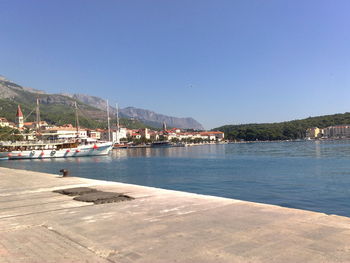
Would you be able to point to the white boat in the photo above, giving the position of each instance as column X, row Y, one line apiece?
column 60, row 148
column 57, row 149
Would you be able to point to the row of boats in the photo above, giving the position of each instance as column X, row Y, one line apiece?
column 159, row 144
column 43, row 148
column 66, row 148
column 54, row 149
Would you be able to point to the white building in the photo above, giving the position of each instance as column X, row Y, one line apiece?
column 337, row 131
column 122, row 133
column 94, row 134
column 4, row 122
column 66, row 132
column 112, row 136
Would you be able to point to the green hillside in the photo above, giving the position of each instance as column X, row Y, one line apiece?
column 63, row 114
column 55, row 109
column 288, row 130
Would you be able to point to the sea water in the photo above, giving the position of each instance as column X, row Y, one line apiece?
column 312, row 175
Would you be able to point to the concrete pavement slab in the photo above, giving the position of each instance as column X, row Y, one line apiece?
column 158, row 226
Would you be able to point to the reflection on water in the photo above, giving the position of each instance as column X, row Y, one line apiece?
column 312, row 175
column 317, row 149
column 174, row 152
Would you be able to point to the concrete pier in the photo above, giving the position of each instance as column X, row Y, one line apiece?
column 38, row 225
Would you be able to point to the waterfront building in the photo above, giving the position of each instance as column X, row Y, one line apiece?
column 94, row 134
column 121, row 134
column 136, row 136
column 66, row 132
column 313, row 133
column 338, row 131
column 34, row 125
column 112, row 136
column 145, row 133
column 4, row 122
column 154, row 135
column 207, row 135
column 213, row 135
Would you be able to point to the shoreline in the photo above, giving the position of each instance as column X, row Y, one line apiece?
column 158, row 225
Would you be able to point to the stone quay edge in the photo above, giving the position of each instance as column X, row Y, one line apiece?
column 39, row 225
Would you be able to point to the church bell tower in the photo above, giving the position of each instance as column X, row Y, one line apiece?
column 19, row 118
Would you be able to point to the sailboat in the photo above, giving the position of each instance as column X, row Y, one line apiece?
column 61, row 148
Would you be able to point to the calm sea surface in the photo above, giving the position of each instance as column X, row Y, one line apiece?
column 306, row 175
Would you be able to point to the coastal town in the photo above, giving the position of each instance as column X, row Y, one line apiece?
column 121, row 136
column 124, row 137
column 174, row 131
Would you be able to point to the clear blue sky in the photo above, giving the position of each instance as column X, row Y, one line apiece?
column 219, row 61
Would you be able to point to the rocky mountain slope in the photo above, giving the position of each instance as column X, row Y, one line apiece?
column 146, row 116
column 55, row 108
column 58, row 108
column 153, row 118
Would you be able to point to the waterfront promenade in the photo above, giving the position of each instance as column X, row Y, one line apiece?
column 39, row 225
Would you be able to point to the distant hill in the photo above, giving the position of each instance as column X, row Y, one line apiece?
column 145, row 116
column 56, row 109
column 152, row 118
column 288, row 130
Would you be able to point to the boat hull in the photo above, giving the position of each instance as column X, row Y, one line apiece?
column 161, row 145
column 80, row 151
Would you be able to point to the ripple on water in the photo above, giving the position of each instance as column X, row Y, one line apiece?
column 306, row 175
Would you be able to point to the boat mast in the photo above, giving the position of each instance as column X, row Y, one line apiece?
column 116, row 106
column 109, row 126
column 37, row 115
column 76, row 118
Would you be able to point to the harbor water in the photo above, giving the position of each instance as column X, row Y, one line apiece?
column 311, row 175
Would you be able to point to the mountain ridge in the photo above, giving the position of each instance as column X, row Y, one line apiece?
column 56, row 109
column 146, row 116
column 12, row 91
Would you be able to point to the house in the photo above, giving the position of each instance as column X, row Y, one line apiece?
column 111, row 136
column 34, row 125
column 208, row 135
column 94, row 134
column 136, row 136
column 121, row 134
column 145, row 133
column 66, row 132
column 212, row 135
column 154, row 135
column 338, row 131
column 4, row 122
column 313, row 133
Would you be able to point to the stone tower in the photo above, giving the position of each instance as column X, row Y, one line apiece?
column 19, row 118
column 164, row 126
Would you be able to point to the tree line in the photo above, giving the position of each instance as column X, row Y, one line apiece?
column 289, row 130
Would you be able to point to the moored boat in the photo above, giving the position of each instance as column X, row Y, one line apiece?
column 57, row 149
column 42, row 147
column 162, row 144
